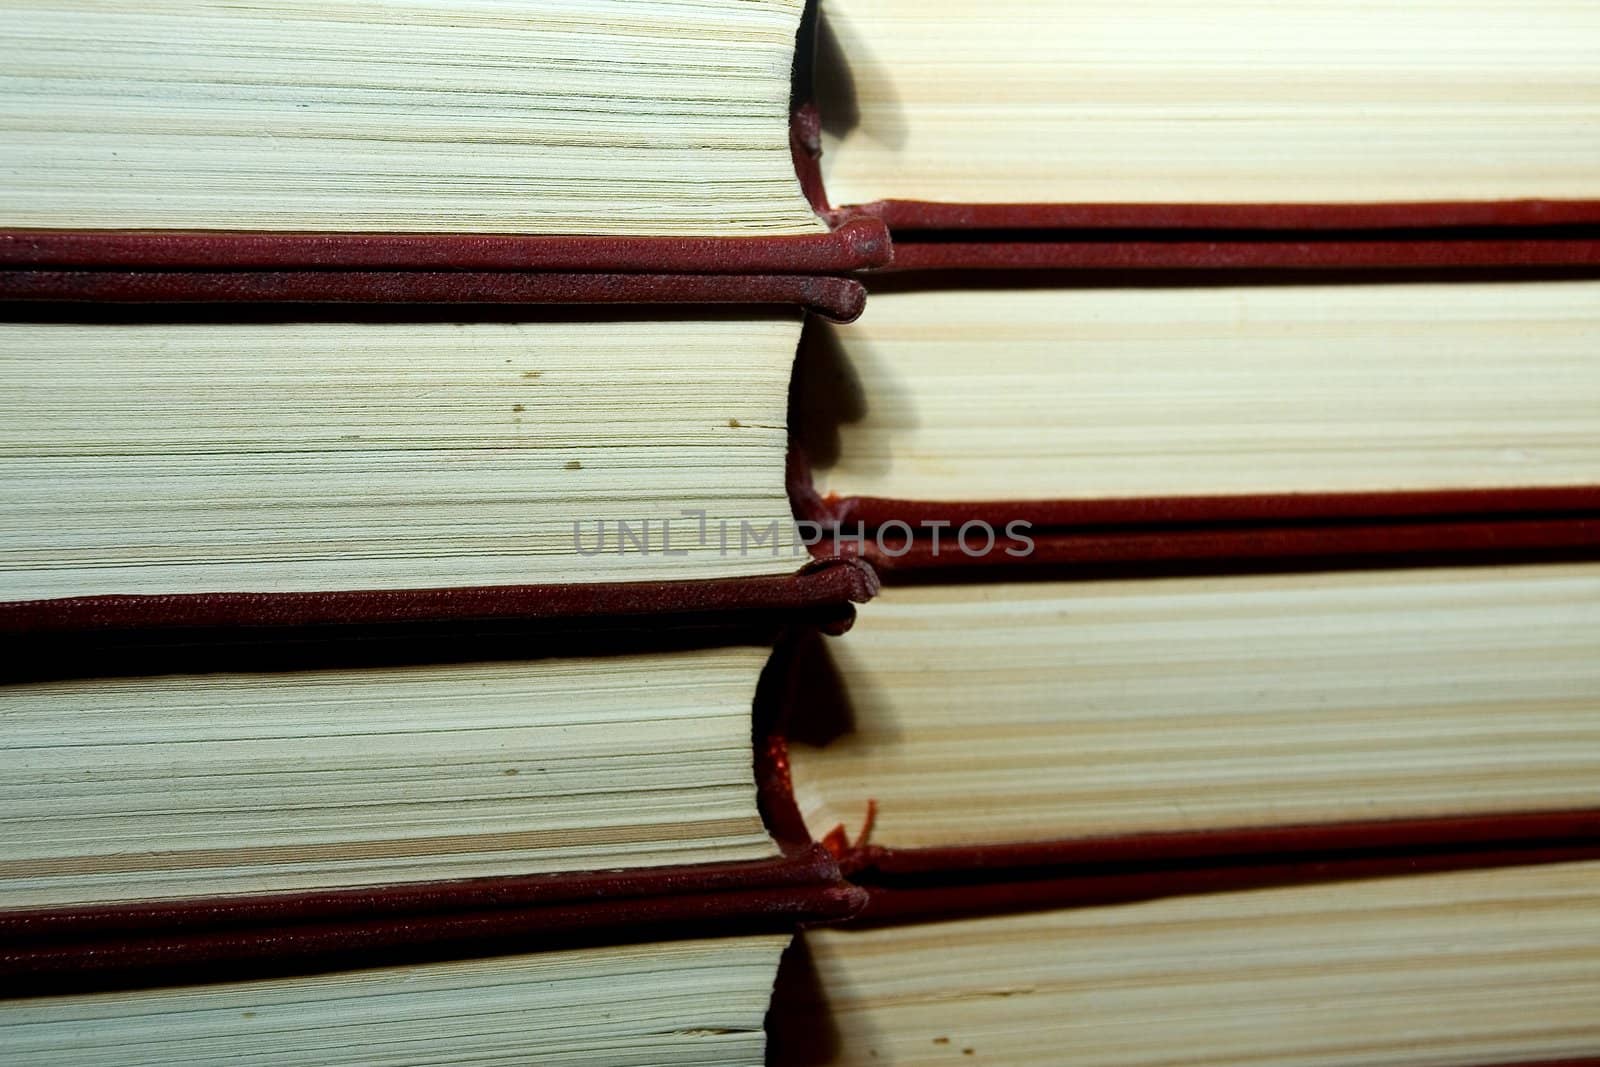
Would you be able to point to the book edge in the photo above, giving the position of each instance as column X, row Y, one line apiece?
column 834, row 298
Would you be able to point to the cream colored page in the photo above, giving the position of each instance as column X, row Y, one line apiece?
column 993, row 713
column 231, row 783
column 273, row 457
column 555, row 117
column 676, row 1004
column 1111, row 393
column 1481, row 967
column 1186, row 101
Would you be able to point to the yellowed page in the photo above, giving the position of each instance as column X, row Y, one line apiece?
column 301, row 456
column 1193, row 101
column 991, row 712
column 555, row 117
column 1062, row 393
column 235, row 782
column 675, row 1004
column 1482, row 967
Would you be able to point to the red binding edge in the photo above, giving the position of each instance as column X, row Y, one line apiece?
column 874, row 511
column 850, row 245
column 1367, row 544
column 1196, row 529
column 829, row 585
column 1114, row 237
column 1473, row 833
column 1060, row 250
column 913, row 215
column 259, row 952
column 811, row 866
column 838, row 299
column 931, row 900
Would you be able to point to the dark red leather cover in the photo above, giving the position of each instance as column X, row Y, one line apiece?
column 839, row 299
column 306, row 948
column 1407, row 838
column 1084, row 553
column 811, row 865
column 853, row 244
column 1274, row 507
column 919, row 215
column 1506, row 539
column 1146, row 250
column 1301, row 237
column 823, row 592
column 1312, row 528
column 951, row 896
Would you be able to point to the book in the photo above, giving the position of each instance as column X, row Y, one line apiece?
column 1462, row 968
column 160, row 454
column 1293, row 137
column 1247, row 409
column 588, row 136
column 237, row 774
column 1034, row 723
column 1183, row 103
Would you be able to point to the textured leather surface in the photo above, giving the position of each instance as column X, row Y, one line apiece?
column 935, row 898
column 1279, row 507
column 1312, row 545
column 839, row 299
column 1074, row 250
column 808, row 866
column 826, row 587
column 1244, row 845
column 305, row 948
column 907, row 215
column 854, row 244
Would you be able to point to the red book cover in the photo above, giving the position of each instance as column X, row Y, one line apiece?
column 849, row 246
column 833, row 298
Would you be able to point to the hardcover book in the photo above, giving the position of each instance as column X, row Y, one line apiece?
column 588, row 135
column 295, row 468
column 1036, row 723
column 1486, row 967
column 1092, row 423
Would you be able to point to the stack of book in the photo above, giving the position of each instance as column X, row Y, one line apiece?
column 447, row 443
